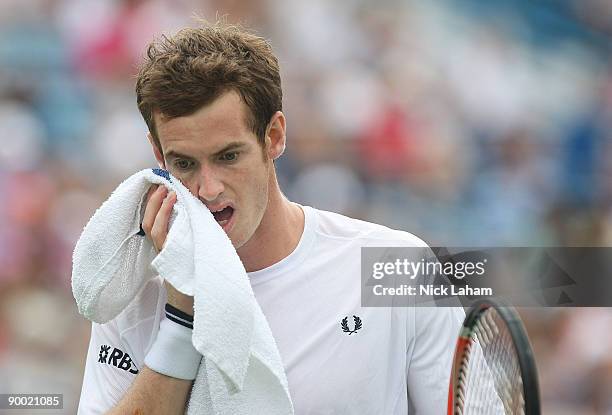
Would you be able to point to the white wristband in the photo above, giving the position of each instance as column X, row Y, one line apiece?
column 172, row 353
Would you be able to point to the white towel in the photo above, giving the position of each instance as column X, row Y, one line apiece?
column 241, row 370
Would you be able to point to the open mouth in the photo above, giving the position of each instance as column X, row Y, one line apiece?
column 224, row 216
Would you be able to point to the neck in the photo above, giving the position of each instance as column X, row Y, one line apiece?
column 278, row 233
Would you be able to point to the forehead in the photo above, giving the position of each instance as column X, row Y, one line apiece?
column 211, row 126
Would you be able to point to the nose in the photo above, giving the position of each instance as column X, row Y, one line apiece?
column 210, row 185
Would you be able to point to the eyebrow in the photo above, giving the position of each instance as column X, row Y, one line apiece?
column 234, row 145
column 230, row 146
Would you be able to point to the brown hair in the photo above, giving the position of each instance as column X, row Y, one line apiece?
column 186, row 71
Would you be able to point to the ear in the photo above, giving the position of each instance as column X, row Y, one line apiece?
column 157, row 151
column 276, row 135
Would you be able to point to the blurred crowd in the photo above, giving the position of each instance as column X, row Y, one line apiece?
column 468, row 124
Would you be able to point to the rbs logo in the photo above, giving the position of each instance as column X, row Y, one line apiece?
column 116, row 358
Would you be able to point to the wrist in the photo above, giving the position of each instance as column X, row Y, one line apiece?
column 178, row 300
column 172, row 353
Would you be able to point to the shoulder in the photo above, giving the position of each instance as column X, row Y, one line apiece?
column 334, row 225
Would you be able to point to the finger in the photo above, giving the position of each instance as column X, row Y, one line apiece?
column 160, row 226
column 151, row 190
column 154, row 200
column 153, row 205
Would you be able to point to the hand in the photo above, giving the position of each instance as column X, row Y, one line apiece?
column 157, row 214
column 155, row 225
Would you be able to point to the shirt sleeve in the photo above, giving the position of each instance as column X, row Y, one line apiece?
column 430, row 354
column 117, row 350
column 110, row 369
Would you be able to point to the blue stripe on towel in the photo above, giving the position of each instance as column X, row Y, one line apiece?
column 163, row 173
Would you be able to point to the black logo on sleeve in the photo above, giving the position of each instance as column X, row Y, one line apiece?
column 345, row 327
column 117, row 358
column 103, row 353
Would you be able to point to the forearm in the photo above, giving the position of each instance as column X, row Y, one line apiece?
column 153, row 393
column 164, row 383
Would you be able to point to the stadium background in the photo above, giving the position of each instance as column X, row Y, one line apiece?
column 465, row 122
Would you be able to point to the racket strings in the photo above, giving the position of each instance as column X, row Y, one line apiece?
column 488, row 377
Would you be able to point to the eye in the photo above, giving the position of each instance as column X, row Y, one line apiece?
column 182, row 164
column 230, row 156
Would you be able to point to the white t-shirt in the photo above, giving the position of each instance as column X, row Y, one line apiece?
column 398, row 362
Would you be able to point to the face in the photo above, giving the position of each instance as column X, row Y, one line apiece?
column 218, row 158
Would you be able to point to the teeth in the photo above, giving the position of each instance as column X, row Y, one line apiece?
column 223, row 222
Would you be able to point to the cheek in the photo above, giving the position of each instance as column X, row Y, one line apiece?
column 261, row 189
column 254, row 187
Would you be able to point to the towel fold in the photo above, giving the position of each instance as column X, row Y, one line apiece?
column 241, row 370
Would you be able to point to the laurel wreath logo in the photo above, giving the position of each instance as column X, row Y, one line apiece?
column 345, row 327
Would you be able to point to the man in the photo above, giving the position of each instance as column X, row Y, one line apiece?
column 212, row 100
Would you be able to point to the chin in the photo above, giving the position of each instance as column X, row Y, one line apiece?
column 239, row 240
column 236, row 242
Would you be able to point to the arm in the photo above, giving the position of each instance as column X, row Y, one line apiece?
column 116, row 375
column 163, row 384
column 145, row 396
column 434, row 332
column 157, row 393
column 165, row 390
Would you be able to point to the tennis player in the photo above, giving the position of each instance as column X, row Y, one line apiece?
column 212, row 100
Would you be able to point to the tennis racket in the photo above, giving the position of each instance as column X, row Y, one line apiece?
column 493, row 370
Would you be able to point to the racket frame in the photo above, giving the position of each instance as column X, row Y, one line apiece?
column 521, row 344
